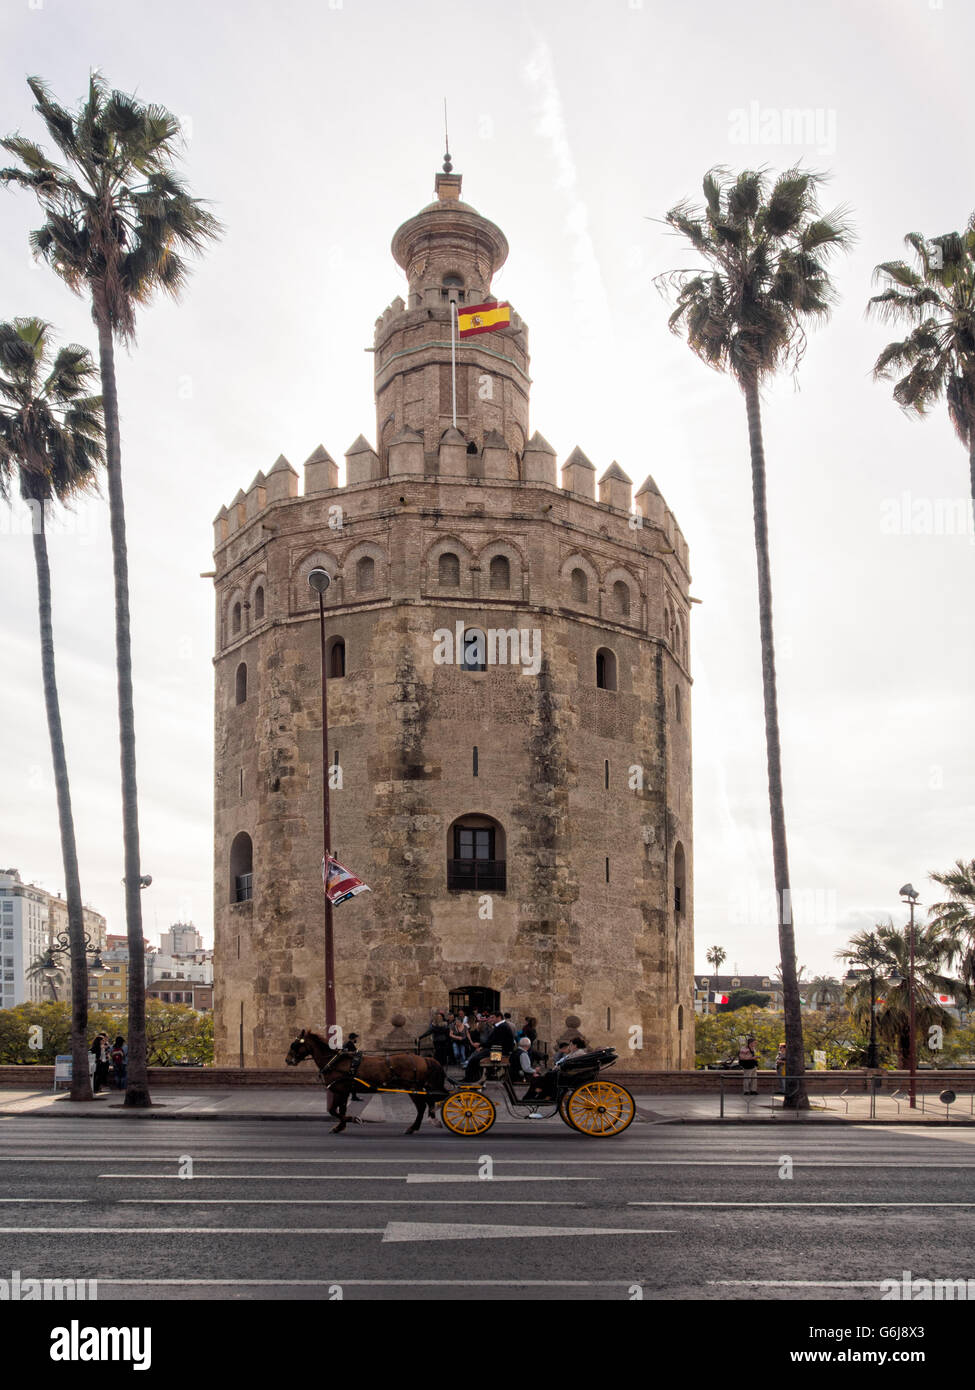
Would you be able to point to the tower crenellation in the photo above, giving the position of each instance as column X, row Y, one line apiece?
column 568, row 756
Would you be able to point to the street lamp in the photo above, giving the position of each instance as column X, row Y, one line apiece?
column 909, row 894
column 319, row 580
column 50, row 968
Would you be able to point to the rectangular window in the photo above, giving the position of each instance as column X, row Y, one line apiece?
column 475, row 760
column 607, row 869
column 474, row 844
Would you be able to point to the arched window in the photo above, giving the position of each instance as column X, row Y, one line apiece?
column 335, row 658
column 241, row 683
column 241, row 869
column 259, row 603
column 448, row 570
column 605, row 669
column 365, row 575
column 680, row 886
column 474, row 655
column 580, row 586
column 678, row 704
column 452, row 287
column 621, row 598
column 500, row 573
column 476, row 855
column 678, row 640
column 235, row 621
column 666, row 624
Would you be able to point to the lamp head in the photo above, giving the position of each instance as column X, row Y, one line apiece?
column 909, row 891
column 319, row 580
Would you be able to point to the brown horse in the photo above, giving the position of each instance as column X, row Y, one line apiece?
column 401, row 1071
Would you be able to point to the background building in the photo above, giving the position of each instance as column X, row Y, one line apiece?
column 524, row 825
column 23, row 940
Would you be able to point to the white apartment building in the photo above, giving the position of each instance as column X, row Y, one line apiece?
column 23, row 940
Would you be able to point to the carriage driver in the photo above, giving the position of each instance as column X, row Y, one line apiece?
column 501, row 1039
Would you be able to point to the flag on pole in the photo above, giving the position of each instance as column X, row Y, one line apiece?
column 482, row 318
column 339, row 884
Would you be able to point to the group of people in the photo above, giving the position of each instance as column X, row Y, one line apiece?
column 457, row 1037
column 748, row 1061
column 109, row 1057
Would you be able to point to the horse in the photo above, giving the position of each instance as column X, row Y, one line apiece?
column 402, row 1071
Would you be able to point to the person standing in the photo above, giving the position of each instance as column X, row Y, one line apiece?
column 748, row 1061
column 460, row 1039
column 100, row 1050
column 780, row 1067
column 120, row 1062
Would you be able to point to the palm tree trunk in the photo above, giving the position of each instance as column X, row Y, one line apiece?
column 795, row 1097
column 80, row 1080
column 971, row 467
column 137, row 1089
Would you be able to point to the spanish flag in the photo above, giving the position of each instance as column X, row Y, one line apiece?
column 482, row 318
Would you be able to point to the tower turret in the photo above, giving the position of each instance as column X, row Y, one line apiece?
column 450, row 254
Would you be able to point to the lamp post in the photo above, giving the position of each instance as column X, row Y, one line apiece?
column 909, row 894
column 319, row 581
column 49, row 966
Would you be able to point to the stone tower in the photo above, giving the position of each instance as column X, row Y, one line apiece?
column 509, row 707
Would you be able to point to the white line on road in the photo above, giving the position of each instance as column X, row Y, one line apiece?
column 335, row 1202
column 362, row 1283
column 116, row 1153
column 798, row 1283
column 843, row 1206
column 416, row 1230
column 392, row 1231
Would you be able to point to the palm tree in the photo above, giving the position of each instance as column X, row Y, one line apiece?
column 888, row 949
column 823, row 991
column 957, row 915
column 51, row 442
column 937, row 358
column 117, row 224
column 716, row 957
column 765, row 251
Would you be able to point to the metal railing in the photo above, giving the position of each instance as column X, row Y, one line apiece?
column 928, row 1096
column 478, row 875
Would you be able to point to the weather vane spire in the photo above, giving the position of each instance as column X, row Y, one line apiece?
column 447, row 165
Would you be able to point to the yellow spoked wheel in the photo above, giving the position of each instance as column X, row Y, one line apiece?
column 598, row 1108
column 468, row 1113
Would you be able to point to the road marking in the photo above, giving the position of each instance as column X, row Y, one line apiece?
column 798, row 1283
column 416, row 1230
column 115, row 1152
column 363, row 1283
column 841, row 1205
column 335, row 1202
column 192, row 1231
column 258, row 1177
column 46, row 1201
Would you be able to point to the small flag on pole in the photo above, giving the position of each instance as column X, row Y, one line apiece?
column 339, row 884
column 482, row 318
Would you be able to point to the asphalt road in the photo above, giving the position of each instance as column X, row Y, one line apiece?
column 285, row 1210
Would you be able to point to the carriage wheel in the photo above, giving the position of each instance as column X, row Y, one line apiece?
column 598, row 1108
column 468, row 1113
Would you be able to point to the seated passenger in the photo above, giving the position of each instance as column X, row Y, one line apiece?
column 521, row 1061
column 543, row 1087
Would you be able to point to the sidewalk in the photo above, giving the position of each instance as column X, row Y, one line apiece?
column 308, row 1103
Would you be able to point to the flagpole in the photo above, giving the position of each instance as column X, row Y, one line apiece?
column 453, row 359
column 319, row 581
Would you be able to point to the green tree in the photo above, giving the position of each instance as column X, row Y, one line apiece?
column 934, row 949
column 765, row 252
column 177, row 1033
column 51, row 434
column 54, row 1020
column 823, row 991
column 117, row 226
column 716, row 1037
column 937, row 297
column 745, row 998
column 957, row 916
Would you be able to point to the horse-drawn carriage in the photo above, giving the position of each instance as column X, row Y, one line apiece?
column 575, row 1090
column 576, row 1093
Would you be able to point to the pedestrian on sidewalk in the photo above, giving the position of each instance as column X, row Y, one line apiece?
column 748, row 1061
column 120, row 1062
column 780, row 1068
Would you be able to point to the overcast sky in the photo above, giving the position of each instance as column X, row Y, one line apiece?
column 315, row 129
